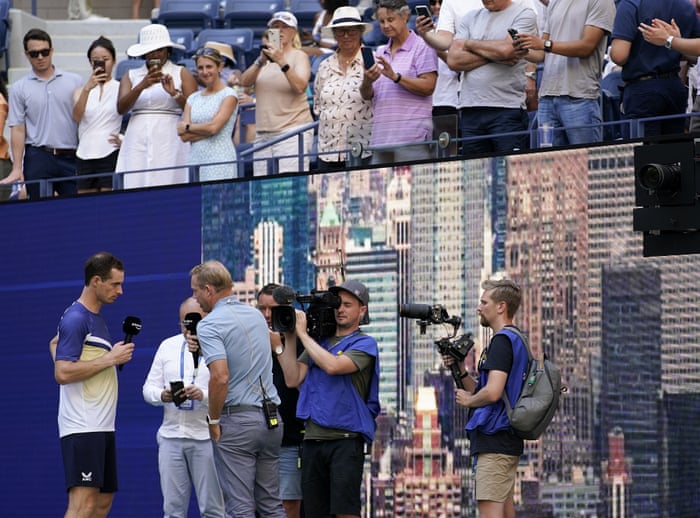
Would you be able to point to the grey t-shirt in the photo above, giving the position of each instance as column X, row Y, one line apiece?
column 565, row 21
column 495, row 84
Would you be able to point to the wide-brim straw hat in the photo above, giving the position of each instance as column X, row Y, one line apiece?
column 346, row 16
column 152, row 37
column 224, row 49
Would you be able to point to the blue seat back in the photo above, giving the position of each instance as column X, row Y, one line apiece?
column 125, row 65
column 192, row 14
column 253, row 14
column 240, row 39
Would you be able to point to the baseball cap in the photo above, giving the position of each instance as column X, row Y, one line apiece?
column 358, row 290
column 285, row 17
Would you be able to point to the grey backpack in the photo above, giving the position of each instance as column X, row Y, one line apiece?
column 539, row 396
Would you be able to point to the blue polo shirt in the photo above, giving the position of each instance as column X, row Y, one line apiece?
column 238, row 333
column 645, row 58
column 45, row 108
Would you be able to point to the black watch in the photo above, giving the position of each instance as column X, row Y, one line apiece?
column 285, row 68
column 548, row 45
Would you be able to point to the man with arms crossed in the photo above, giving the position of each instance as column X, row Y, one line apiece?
column 502, row 366
column 235, row 344
column 339, row 400
column 85, row 361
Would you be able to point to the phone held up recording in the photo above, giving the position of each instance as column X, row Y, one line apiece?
column 273, row 37
column 423, row 10
column 367, row 57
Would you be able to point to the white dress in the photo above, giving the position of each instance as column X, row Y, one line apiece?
column 151, row 140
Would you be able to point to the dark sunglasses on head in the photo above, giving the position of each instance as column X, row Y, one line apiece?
column 206, row 51
column 35, row 53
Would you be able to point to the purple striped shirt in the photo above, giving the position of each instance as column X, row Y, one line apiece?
column 399, row 115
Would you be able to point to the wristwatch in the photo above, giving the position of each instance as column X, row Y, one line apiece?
column 285, row 68
column 548, row 45
column 213, row 421
column 177, row 94
column 279, row 349
column 668, row 42
column 187, row 127
column 531, row 75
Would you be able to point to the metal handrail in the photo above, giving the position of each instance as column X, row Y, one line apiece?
column 635, row 128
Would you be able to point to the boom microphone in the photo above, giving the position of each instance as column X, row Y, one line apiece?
column 190, row 322
column 131, row 327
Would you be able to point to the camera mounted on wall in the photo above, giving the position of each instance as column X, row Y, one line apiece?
column 452, row 345
column 319, row 307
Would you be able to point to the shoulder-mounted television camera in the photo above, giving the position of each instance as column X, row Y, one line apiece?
column 319, row 307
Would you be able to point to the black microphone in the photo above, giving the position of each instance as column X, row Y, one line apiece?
column 131, row 327
column 190, row 322
column 284, row 295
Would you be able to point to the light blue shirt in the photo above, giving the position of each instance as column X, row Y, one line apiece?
column 45, row 108
column 238, row 333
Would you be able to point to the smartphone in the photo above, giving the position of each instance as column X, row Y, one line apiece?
column 513, row 34
column 98, row 63
column 273, row 36
column 367, row 57
column 154, row 64
column 422, row 10
column 178, row 390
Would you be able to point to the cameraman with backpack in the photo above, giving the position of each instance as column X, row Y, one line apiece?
column 502, row 368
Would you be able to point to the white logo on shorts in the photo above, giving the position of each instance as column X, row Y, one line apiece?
column 87, row 477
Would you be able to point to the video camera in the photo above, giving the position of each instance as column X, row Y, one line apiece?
column 320, row 312
column 457, row 348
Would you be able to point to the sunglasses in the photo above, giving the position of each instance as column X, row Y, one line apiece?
column 346, row 32
column 35, row 53
column 206, row 51
column 433, row 2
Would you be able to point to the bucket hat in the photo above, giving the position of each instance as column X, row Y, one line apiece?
column 152, row 37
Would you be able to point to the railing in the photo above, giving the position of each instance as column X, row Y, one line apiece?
column 441, row 146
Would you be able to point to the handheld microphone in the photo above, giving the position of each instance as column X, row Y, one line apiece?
column 190, row 322
column 131, row 327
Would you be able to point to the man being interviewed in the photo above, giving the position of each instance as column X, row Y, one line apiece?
column 339, row 400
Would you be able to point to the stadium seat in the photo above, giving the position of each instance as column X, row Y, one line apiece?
column 305, row 11
column 241, row 40
column 375, row 37
column 184, row 37
column 190, row 14
column 253, row 14
column 125, row 65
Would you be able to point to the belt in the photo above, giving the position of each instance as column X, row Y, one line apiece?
column 234, row 409
column 55, row 152
column 646, row 77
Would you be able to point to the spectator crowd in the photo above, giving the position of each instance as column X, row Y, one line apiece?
column 373, row 83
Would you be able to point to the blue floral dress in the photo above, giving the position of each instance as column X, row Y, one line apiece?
column 219, row 147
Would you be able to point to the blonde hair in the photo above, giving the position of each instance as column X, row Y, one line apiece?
column 504, row 290
column 213, row 273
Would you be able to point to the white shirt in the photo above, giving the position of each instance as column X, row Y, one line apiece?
column 173, row 361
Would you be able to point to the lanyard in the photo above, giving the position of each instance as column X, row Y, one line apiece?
column 182, row 362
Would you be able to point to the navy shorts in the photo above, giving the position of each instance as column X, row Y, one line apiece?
column 90, row 460
column 331, row 477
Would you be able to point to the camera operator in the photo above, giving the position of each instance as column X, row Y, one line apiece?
column 290, row 453
column 493, row 443
column 339, row 401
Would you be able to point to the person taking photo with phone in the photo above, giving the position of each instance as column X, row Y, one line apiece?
column 344, row 117
column 401, row 84
column 155, row 94
column 280, row 76
column 99, row 122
